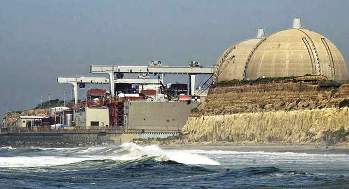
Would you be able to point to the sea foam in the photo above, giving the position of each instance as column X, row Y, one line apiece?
column 124, row 152
column 179, row 156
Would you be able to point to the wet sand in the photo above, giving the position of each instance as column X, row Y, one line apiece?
column 307, row 148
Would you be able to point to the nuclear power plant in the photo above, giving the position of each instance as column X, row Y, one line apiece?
column 292, row 73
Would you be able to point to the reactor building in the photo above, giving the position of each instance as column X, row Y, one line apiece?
column 290, row 69
column 287, row 53
column 290, row 87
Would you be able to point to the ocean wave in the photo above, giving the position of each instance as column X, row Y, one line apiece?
column 7, row 148
column 131, row 165
column 179, row 156
column 43, row 157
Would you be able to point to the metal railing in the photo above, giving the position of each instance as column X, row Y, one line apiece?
column 84, row 131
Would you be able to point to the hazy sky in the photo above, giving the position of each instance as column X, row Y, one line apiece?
column 42, row 39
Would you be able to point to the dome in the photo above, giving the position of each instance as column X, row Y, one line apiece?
column 291, row 52
column 231, row 65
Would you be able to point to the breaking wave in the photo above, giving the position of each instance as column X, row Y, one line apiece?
column 133, row 166
column 42, row 157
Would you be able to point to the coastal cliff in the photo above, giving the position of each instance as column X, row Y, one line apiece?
column 328, row 126
column 272, row 112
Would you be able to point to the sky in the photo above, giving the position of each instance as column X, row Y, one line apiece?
column 43, row 39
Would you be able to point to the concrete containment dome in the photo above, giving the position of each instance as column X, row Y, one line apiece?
column 232, row 63
column 291, row 52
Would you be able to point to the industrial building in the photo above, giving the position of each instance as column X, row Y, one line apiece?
column 157, row 115
column 138, row 99
column 31, row 122
column 92, row 118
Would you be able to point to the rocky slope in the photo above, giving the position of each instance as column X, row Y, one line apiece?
column 273, row 112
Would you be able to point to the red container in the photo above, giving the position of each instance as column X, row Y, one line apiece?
column 148, row 92
column 184, row 97
column 97, row 92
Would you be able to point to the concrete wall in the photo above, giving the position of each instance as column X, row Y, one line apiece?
column 100, row 115
column 157, row 115
column 75, row 139
column 53, row 139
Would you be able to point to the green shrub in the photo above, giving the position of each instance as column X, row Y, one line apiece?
column 334, row 137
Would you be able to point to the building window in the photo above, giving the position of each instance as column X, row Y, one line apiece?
column 94, row 123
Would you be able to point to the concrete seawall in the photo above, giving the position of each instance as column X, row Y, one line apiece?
column 75, row 139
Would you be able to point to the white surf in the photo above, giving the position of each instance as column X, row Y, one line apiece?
column 125, row 152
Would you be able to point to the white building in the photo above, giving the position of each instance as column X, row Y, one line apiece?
column 93, row 118
column 30, row 121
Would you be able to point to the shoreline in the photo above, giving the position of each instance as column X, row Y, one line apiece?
column 296, row 148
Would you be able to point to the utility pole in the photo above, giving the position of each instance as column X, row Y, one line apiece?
column 49, row 99
column 64, row 97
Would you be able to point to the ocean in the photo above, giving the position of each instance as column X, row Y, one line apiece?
column 133, row 166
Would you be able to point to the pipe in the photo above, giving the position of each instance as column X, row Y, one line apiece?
column 192, row 84
column 75, row 92
column 112, row 84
